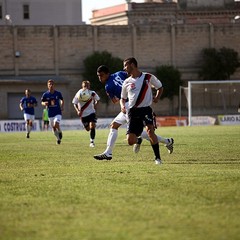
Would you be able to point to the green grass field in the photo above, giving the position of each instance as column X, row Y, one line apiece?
column 60, row 192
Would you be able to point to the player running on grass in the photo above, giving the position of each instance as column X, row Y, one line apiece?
column 136, row 101
column 113, row 86
column 86, row 109
column 54, row 101
column 27, row 105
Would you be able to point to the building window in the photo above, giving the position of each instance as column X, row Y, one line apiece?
column 26, row 14
column 1, row 15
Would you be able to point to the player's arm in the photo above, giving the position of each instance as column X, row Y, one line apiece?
column 62, row 104
column 77, row 109
column 112, row 97
column 115, row 100
column 122, row 104
column 44, row 103
column 123, row 99
column 155, row 82
column 21, row 106
column 158, row 95
column 95, row 99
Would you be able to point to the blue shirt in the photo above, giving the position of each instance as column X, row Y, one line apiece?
column 27, row 103
column 53, row 100
column 114, row 84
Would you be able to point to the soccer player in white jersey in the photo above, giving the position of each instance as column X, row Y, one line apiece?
column 113, row 86
column 138, row 90
column 86, row 109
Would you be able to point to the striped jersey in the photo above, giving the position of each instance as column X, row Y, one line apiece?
column 87, row 107
column 133, row 86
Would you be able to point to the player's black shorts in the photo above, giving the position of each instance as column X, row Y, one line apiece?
column 45, row 122
column 138, row 119
column 90, row 118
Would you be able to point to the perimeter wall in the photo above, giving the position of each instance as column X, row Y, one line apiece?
column 27, row 51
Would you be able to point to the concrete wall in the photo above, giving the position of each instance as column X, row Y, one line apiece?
column 53, row 51
column 43, row 12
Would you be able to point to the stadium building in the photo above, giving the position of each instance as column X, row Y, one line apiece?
column 155, row 32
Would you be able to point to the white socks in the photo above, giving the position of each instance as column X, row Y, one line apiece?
column 144, row 135
column 56, row 133
column 28, row 128
column 112, row 137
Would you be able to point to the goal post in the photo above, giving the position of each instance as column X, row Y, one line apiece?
column 211, row 98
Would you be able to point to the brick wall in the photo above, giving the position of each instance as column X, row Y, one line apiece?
column 61, row 50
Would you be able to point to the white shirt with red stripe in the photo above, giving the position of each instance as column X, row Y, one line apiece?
column 86, row 107
column 132, row 87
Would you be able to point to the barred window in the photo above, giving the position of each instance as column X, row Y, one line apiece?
column 1, row 14
column 26, row 13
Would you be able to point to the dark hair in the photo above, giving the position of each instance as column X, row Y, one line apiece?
column 50, row 81
column 131, row 60
column 103, row 68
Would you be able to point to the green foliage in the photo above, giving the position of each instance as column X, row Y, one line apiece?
column 171, row 80
column 58, row 192
column 92, row 62
column 218, row 64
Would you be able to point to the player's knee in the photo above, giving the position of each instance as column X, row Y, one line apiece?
column 131, row 140
column 150, row 132
column 115, row 125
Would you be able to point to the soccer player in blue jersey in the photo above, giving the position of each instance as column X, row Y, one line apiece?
column 54, row 101
column 113, row 86
column 27, row 105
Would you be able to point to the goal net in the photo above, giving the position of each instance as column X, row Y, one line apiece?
column 212, row 98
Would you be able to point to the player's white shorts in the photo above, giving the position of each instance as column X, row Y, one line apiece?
column 28, row 117
column 55, row 119
column 122, row 118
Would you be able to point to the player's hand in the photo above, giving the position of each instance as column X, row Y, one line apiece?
column 123, row 109
column 79, row 113
column 155, row 99
column 115, row 100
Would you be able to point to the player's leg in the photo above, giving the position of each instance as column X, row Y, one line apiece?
column 30, row 123
column 168, row 142
column 92, row 126
column 134, row 129
column 27, row 127
column 147, row 117
column 154, row 143
column 119, row 120
column 56, row 128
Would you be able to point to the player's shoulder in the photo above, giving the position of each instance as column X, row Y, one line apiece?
column 58, row 93
column 78, row 92
column 129, row 78
column 121, row 74
column 147, row 73
column 92, row 92
column 46, row 93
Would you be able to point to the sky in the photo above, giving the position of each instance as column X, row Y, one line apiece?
column 89, row 5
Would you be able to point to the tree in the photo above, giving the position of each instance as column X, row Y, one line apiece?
column 171, row 80
column 92, row 62
column 218, row 64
